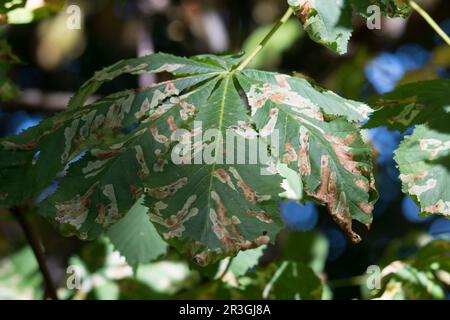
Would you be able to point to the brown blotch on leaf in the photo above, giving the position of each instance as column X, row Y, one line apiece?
column 249, row 193
column 327, row 193
column 169, row 190
column 260, row 215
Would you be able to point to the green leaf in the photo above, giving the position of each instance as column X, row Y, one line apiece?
column 422, row 276
column 435, row 256
column 424, row 159
column 309, row 248
column 246, row 260
column 390, row 8
column 8, row 89
column 136, row 238
column 329, row 22
column 155, row 63
column 293, row 280
column 411, row 104
column 8, row 5
column 330, row 155
column 19, row 13
column 147, row 142
column 62, row 138
column 292, row 183
column 220, row 208
column 410, row 283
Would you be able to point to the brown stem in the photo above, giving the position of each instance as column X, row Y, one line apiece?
column 225, row 270
column 50, row 290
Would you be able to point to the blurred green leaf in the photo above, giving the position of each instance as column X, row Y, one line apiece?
column 270, row 56
column 310, row 248
column 292, row 280
column 19, row 14
column 418, row 276
column 348, row 79
column 245, row 260
column 20, row 277
column 8, row 89
column 329, row 22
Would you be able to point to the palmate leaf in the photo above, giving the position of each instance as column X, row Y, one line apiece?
column 208, row 208
column 330, row 155
column 246, row 260
column 424, row 157
column 329, row 22
column 424, row 162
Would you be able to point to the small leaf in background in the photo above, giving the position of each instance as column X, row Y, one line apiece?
column 293, row 281
column 310, row 248
column 328, row 22
column 423, row 276
column 423, row 159
column 292, row 183
column 246, row 260
column 20, row 277
column 136, row 238
column 411, row 104
column 33, row 10
column 390, row 8
column 8, row 89
column 348, row 79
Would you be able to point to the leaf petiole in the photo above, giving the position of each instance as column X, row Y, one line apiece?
column 266, row 39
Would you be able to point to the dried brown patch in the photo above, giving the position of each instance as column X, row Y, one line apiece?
column 327, row 193
column 304, row 163
column 158, row 137
column 290, row 154
column 249, row 193
column 175, row 223
column 169, row 190
column 260, row 215
column 224, row 177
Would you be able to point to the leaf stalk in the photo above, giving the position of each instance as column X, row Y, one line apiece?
column 33, row 240
column 266, row 39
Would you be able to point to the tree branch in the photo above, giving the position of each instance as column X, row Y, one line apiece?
column 50, row 290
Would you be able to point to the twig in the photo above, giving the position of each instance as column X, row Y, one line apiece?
column 347, row 282
column 34, row 242
column 225, row 269
column 430, row 21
